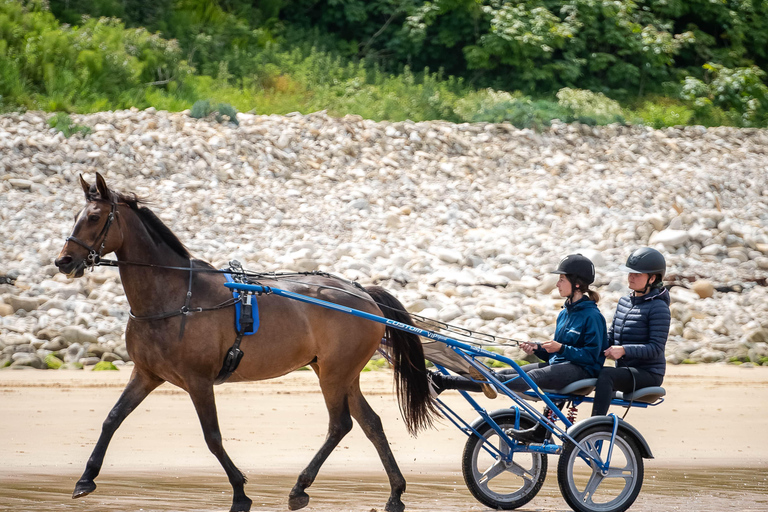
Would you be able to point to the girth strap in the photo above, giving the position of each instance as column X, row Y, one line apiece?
column 234, row 354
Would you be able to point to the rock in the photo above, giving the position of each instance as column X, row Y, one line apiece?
column 594, row 256
column 669, row 237
column 758, row 353
column 89, row 361
column 704, row 355
column 96, row 350
column 21, row 184
column 678, row 294
column 48, row 334
column 762, row 262
column 756, row 336
column 548, row 283
column 448, row 255
column 705, row 289
column 29, row 360
column 100, row 366
column 491, row 313
column 122, row 352
column 52, row 362
column 25, row 303
column 110, row 357
column 75, row 334
column 6, row 310
column 74, row 353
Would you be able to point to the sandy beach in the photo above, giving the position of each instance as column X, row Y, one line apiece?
column 712, row 423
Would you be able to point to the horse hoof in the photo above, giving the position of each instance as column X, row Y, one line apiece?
column 83, row 488
column 241, row 506
column 394, row 506
column 298, row 500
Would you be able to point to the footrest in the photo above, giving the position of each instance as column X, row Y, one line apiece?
column 645, row 395
column 581, row 387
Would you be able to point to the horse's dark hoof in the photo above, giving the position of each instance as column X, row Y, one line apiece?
column 241, row 506
column 298, row 500
column 83, row 488
column 394, row 506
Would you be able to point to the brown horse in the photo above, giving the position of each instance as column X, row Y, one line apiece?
column 188, row 350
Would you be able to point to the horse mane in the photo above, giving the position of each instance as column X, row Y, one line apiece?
column 157, row 229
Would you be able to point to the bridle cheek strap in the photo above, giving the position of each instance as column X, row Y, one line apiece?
column 94, row 256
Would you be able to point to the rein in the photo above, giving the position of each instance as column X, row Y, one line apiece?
column 95, row 259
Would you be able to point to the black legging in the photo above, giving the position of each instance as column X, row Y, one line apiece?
column 620, row 379
column 545, row 375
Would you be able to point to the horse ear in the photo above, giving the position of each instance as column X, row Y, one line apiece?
column 85, row 185
column 101, row 186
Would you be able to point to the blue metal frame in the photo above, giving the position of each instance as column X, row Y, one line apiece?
column 470, row 353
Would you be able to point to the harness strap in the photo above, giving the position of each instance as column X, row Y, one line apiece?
column 234, row 354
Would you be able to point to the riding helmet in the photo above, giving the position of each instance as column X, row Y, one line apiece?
column 645, row 260
column 577, row 265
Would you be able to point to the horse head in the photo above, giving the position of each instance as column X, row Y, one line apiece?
column 91, row 237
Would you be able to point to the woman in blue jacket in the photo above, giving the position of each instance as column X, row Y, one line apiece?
column 575, row 353
column 639, row 331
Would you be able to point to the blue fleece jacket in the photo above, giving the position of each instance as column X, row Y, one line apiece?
column 581, row 330
column 641, row 326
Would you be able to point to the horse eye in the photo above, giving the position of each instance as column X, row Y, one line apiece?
column 93, row 218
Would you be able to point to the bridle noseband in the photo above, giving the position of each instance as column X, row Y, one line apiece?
column 94, row 256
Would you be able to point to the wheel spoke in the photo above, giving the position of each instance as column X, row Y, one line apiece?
column 626, row 472
column 589, row 490
column 503, row 447
column 517, row 469
column 492, row 472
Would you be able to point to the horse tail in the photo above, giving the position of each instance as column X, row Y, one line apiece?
column 407, row 356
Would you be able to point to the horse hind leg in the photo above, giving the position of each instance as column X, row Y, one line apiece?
column 205, row 405
column 370, row 422
column 339, row 425
column 139, row 386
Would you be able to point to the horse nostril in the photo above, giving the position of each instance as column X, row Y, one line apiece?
column 60, row 262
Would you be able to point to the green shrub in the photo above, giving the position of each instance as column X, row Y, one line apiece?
column 502, row 107
column 664, row 114
column 63, row 123
column 593, row 107
column 224, row 111
column 201, row 109
column 740, row 92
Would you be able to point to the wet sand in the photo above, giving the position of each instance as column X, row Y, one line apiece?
column 707, row 439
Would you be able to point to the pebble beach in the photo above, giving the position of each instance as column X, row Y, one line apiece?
column 463, row 223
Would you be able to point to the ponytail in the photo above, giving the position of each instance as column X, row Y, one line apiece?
column 581, row 285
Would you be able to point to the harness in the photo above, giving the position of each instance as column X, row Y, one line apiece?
column 246, row 307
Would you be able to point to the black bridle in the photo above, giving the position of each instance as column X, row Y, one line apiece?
column 94, row 256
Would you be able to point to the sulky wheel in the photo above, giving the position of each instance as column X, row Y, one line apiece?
column 495, row 483
column 586, row 488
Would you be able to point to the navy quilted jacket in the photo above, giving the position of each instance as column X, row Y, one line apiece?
column 581, row 330
column 641, row 326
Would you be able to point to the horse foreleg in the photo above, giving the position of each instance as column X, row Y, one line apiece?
column 205, row 405
column 370, row 422
column 339, row 425
column 135, row 391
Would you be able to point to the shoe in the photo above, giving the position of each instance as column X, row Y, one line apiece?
column 536, row 434
column 434, row 388
column 488, row 389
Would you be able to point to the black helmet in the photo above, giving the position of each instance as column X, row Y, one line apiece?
column 645, row 261
column 577, row 265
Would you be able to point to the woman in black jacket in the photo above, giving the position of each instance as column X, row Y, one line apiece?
column 639, row 331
